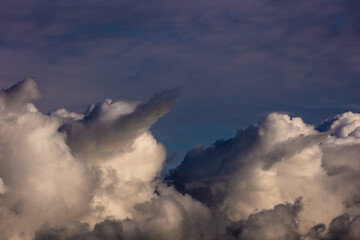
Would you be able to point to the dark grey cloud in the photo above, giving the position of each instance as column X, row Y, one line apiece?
column 277, row 223
column 106, row 230
column 221, row 160
column 342, row 227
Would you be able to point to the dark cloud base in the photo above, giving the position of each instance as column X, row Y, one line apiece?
column 281, row 222
column 107, row 230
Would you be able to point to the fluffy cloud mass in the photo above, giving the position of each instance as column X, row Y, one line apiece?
column 70, row 176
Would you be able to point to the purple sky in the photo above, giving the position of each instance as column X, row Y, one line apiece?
column 235, row 61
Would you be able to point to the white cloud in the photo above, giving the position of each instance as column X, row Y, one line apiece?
column 100, row 169
column 96, row 176
column 46, row 184
column 274, row 162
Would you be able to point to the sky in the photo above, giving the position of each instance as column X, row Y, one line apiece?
column 218, row 118
column 235, row 61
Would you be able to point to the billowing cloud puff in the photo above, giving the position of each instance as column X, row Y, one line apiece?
column 44, row 182
column 70, row 176
column 274, row 162
column 67, row 167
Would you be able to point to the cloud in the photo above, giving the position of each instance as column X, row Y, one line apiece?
column 71, row 45
column 44, row 182
column 342, row 227
column 171, row 215
column 19, row 94
column 276, row 161
column 110, row 126
column 106, row 230
column 50, row 176
column 3, row 188
column 278, row 223
column 97, row 175
column 281, row 223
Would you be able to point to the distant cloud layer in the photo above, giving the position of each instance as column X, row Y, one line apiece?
column 252, row 56
column 96, row 176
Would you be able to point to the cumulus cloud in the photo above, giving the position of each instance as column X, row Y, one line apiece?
column 70, row 176
column 66, row 167
column 44, row 182
column 276, row 161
